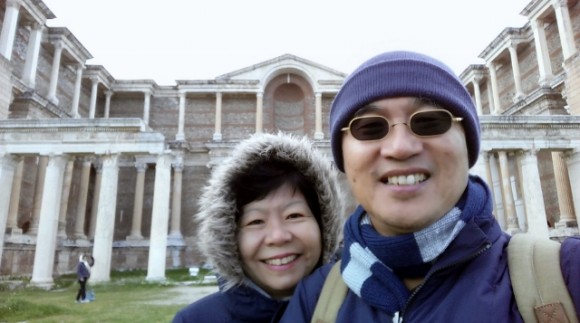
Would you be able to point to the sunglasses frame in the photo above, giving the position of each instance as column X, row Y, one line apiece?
column 453, row 119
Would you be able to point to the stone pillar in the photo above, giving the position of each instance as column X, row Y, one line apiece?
column 108, row 95
column 477, row 94
column 490, row 97
column 12, row 223
column 146, row 107
column 96, row 197
column 508, row 196
column 259, row 112
column 38, row 192
column 46, row 240
column 7, row 169
column 79, row 232
column 217, row 135
column 479, row 167
column 94, row 91
column 542, row 52
column 567, row 214
column 494, row 88
column 180, row 136
column 64, row 200
column 512, row 48
column 533, row 196
column 138, row 202
column 572, row 159
column 9, row 27
column 29, row 73
column 497, row 191
column 488, row 176
column 318, row 134
column 77, row 92
column 58, row 47
column 175, row 229
column 105, row 227
column 159, row 219
column 564, row 28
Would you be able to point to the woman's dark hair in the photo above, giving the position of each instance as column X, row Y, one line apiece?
column 261, row 179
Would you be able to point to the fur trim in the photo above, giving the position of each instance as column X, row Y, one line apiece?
column 217, row 207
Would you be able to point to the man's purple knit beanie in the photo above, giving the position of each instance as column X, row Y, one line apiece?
column 402, row 73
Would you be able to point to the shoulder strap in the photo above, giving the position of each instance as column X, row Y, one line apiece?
column 539, row 288
column 331, row 297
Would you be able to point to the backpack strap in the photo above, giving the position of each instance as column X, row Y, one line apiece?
column 539, row 288
column 331, row 297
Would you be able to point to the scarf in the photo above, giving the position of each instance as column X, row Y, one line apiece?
column 373, row 265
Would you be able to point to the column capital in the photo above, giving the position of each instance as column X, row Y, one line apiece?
column 109, row 93
column 13, row 3
column 141, row 166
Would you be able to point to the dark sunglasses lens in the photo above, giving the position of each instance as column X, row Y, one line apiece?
column 370, row 128
column 430, row 123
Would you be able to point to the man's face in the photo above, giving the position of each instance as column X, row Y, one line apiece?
column 405, row 182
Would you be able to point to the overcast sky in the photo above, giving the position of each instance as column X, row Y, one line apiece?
column 193, row 39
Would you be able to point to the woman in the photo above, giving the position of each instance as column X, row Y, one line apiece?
column 269, row 216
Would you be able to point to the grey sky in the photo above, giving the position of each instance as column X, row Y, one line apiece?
column 192, row 39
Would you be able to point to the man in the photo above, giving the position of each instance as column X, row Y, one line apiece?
column 423, row 245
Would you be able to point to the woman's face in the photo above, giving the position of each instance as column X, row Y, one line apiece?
column 279, row 240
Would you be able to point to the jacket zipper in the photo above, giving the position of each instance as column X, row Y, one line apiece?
column 399, row 315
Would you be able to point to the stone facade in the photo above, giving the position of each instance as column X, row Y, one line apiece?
column 99, row 165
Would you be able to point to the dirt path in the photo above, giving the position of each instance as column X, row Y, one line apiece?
column 183, row 295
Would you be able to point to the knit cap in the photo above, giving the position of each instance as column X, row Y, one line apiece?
column 398, row 74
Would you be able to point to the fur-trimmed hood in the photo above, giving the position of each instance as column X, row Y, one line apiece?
column 217, row 205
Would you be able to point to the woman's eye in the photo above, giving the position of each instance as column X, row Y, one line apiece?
column 254, row 222
column 295, row 216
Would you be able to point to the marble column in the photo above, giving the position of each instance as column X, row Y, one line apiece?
column 572, row 159
column 146, row 107
column 477, row 94
column 508, row 197
column 38, row 192
column 533, row 196
column 79, row 231
column 12, row 223
column 64, row 200
column 8, row 166
column 105, row 226
column 58, row 47
column 175, row 228
column 513, row 50
column 567, row 214
column 565, row 29
column 9, row 28
column 542, row 52
column 108, row 95
column 138, row 202
column 48, row 224
column 32, row 52
column 217, row 135
column 159, row 219
column 318, row 134
column 94, row 92
column 180, row 136
column 259, row 112
column 494, row 88
column 77, row 91
column 497, row 191
column 96, row 197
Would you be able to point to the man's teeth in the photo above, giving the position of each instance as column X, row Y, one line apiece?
column 406, row 179
column 281, row 261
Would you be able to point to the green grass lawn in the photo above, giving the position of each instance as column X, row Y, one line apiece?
column 124, row 299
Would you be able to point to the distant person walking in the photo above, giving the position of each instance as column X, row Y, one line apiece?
column 83, row 275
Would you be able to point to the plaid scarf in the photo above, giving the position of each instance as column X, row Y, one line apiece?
column 373, row 265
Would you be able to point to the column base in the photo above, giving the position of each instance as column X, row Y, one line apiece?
column 134, row 237
column 566, row 223
column 318, row 135
column 217, row 137
column 14, row 231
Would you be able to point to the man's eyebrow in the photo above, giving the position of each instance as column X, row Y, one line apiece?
column 366, row 109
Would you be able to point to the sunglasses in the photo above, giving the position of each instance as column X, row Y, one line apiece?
column 425, row 123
